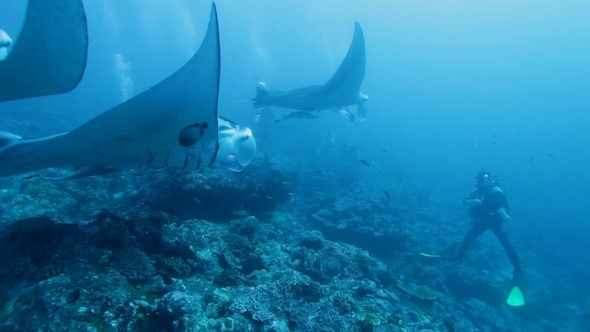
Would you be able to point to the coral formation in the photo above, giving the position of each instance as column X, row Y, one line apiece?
column 166, row 252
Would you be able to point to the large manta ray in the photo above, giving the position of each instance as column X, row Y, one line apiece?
column 173, row 124
column 340, row 91
column 49, row 55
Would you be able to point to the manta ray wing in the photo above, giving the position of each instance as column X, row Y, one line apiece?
column 144, row 130
column 340, row 91
column 347, row 80
column 49, row 56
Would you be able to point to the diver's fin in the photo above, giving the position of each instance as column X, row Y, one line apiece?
column 515, row 297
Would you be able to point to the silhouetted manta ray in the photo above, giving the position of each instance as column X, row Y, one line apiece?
column 173, row 124
column 340, row 91
column 49, row 56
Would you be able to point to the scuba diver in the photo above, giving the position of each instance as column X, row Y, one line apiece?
column 489, row 210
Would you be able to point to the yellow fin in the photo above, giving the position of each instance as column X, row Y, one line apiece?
column 515, row 298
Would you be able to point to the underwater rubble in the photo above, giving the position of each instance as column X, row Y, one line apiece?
column 154, row 251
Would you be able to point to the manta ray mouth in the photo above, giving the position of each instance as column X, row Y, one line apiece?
column 237, row 146
column 231, row 163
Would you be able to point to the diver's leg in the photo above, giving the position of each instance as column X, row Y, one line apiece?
column 500, row 232
column 476, row 229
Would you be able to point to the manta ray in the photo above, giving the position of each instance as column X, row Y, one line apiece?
column 174, row 124
column 340, row 91
column 49, row 56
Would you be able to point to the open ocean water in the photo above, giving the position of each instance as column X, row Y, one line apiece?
column 323, row 230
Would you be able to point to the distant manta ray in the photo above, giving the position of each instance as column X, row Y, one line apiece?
column 342, row 90
column 49, row 55
column 173, row 124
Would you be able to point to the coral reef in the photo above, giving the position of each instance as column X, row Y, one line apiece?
column 151, row 251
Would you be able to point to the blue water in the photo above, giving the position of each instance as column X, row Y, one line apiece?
column 455, row 87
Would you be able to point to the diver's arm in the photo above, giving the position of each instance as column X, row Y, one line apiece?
column 498, row 204
column 472, row 199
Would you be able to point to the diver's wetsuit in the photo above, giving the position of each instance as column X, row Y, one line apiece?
column 491, row 214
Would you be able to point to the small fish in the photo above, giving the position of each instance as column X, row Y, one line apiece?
column 191, row 134
column 530, row 159
column 297, row 115
column 32, row 176
column 317, row 171
column 386, row 193
column 414, row 316
column 366, row 162
column 241, row 213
